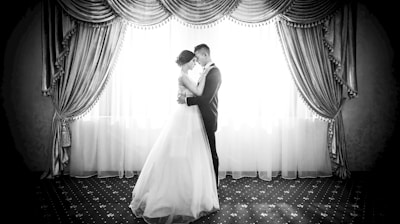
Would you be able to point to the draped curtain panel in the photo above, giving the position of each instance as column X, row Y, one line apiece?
column 322, row 59
column 78, row 68
column 70, row 23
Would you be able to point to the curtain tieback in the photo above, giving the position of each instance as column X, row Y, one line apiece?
column 65, row 131
column 332, row 124
column 340, row 108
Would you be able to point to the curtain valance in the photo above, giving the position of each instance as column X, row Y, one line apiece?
column 140, row 12
column 153, row 12
column 249, row 11
column 310, row 11
column 91, row 11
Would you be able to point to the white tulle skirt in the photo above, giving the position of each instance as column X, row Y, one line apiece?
column 177, row 182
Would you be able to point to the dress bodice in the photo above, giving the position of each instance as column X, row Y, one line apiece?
column 185, row 91
column 182, row 90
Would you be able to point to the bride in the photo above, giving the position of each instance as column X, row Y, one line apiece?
column 177, row 183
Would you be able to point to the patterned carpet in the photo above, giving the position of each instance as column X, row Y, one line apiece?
column 245, row 200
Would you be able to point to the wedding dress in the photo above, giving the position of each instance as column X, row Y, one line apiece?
column 177, row 181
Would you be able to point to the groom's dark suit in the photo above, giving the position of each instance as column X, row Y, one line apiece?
column 208, row 105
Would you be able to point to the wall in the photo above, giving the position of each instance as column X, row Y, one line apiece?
column 28, row 112
column 369, row 119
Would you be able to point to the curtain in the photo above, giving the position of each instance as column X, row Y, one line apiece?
column 320, row 75
column 265, row 129
column 83, row 61
column 63, row 18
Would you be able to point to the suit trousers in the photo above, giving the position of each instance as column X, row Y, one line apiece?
column 214, row 155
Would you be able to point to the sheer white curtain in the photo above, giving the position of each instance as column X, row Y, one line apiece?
column 264, row 128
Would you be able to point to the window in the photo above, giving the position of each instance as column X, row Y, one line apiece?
column 263, row 126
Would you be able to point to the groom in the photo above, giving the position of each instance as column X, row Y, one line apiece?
column 208, row 101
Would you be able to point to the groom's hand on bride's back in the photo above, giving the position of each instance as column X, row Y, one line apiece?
column 182, row 99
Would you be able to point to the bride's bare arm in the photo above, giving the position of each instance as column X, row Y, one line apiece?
column 195, row 89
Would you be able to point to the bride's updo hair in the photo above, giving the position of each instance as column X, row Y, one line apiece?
column 184, row 57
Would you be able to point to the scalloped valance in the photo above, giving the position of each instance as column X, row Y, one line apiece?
column 196, row 12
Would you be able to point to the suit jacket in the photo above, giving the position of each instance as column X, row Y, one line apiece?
column 208, row 101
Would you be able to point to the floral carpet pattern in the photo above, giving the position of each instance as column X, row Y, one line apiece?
column 247, row 200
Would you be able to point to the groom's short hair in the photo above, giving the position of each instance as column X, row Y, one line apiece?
column 202, row 47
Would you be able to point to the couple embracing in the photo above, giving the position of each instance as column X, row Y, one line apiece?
column 179, row 180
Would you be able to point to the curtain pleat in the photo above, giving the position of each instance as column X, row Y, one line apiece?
column 257, row 11
column 93, row 11
column 57, row 31
column 200, row 12
column 310, row 11
column 140, row 12
column 340, row 40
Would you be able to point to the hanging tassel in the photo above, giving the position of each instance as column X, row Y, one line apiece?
column 65, row 134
